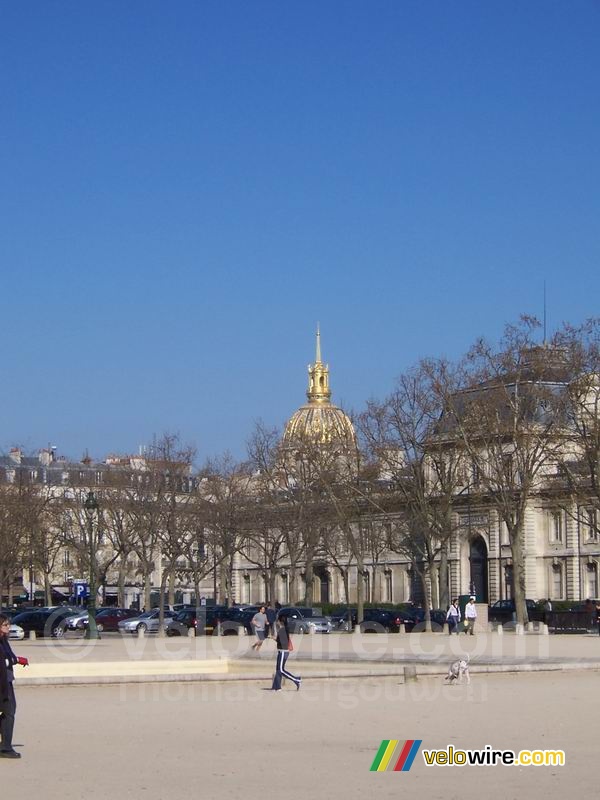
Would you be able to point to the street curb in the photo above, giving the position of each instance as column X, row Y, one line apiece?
column 350, row 672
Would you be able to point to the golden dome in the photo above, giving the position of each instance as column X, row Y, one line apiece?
column 319, row 421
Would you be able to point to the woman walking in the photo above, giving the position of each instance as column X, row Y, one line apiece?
column 259, row 623
column 453, row 617
column 284, row 645
column 8, row 703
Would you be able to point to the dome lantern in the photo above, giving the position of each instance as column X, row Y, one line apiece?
column 319, row 421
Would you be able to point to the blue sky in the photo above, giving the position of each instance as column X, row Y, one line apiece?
column 187, row 188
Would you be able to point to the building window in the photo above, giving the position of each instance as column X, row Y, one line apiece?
column 285, row 588
column 246, row 588
column 556, row 527
column 367, row 586
column 389, row 594
column 508, row 581
column 504, row 537
column 589, row 527
column 557, row 582
column 592, row 580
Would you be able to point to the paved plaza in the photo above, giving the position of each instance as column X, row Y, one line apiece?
column 164, row 741
column 184, row 718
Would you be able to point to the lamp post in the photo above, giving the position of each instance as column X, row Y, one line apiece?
column 91, row 505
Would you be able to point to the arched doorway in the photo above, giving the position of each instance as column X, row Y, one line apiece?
column 322, row 574
column 478, row 558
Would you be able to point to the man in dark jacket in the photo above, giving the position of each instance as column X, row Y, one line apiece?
column 8, row 703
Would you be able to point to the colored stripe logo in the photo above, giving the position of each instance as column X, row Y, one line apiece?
column 400, row 755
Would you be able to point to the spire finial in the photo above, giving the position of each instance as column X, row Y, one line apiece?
column 318, row 377
column 318, row 356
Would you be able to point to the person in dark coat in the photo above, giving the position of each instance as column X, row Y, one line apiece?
column 8, row 703
column 271, row 619
column 284, row 645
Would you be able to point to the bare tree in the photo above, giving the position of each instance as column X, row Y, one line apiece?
column 419, row 470
column 226, row 485
column 578, row 479
column 290, row 490
column 510, row 424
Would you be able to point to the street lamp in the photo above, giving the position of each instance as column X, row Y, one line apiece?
column 91, row 505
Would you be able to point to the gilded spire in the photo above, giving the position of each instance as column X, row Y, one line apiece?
column 318, row 378
column 318, row 358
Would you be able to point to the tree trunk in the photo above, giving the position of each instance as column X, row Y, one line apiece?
column 434, row 577
column 516, row 546
column 309, row 576
column 360, row 583
column 161, row 603
column 426, row 583
column 346, row 585
column 121, row 586
column 47, row 589
column 172, row 587
column 147, row 592
column 375, row 587
column 444, row 598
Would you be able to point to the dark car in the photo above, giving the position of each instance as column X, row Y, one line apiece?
column 215, row 616
column 107, row 619
column 345, row 619
column 414, row 619
column 243, row 616
column 44, row 621
column 385, row 620
column 503, row 611
column 12, row 612
column 380, row 620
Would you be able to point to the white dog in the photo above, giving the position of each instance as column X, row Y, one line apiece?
column 459, row 671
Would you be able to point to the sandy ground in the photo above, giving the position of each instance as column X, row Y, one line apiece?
column 237, row 740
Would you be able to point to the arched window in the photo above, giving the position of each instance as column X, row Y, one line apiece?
column 389, row 588
column 285, row 588
column 557, row 581
column 592, row 580
column 367, row 586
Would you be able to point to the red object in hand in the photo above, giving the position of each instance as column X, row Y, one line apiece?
column 22, row 661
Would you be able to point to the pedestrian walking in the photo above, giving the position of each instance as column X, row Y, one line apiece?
column 8, row 703
column 453, row 617
column 259, row 623
column 470, row 616
column 284, row 648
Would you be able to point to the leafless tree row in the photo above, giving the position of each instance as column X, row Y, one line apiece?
column 507, row 423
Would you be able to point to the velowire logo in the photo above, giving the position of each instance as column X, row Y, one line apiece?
column 395, row 756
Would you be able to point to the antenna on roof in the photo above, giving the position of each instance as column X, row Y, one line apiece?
column 545, row 342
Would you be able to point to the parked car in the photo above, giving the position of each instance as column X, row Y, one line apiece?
column 107, row 619
column 503, row 611
column 385, row 620
column 12, row 612
column 44, row 621
column 306, row 620
column 16, row 632
column 345, row 619
column 187, row 618
column 147, row 622
column 243, row 615
column 381, row 620
column 74, row 623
